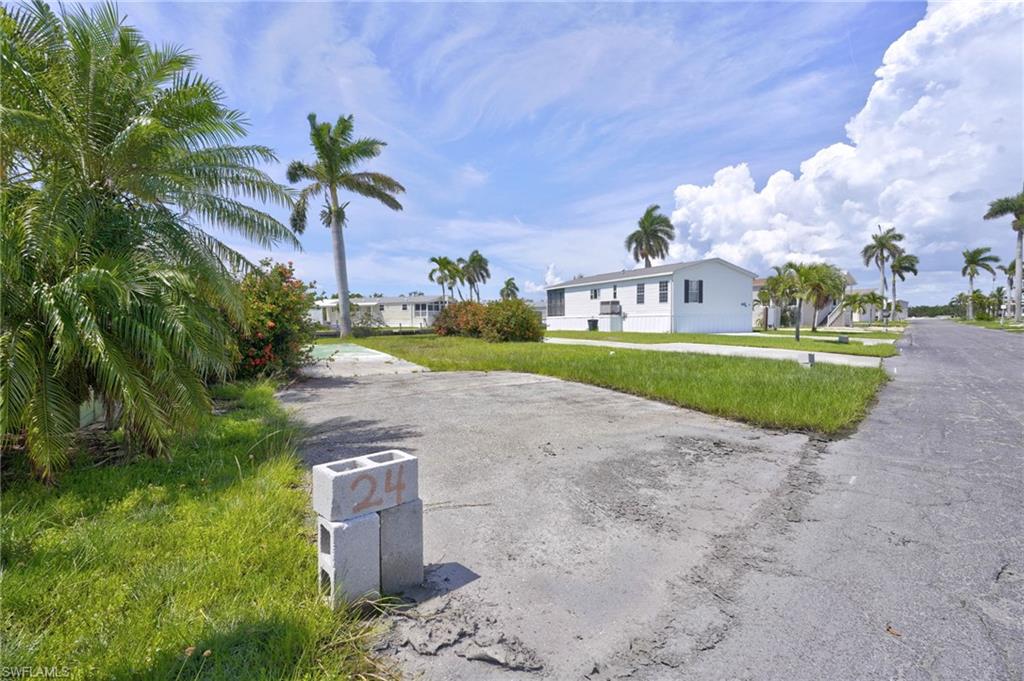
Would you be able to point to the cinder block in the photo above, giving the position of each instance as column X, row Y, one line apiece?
column 401, row 547
column 349, row 558
column 364, row 484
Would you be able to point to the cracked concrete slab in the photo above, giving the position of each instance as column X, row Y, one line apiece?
column 562, row 521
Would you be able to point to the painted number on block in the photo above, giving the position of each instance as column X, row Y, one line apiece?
column 397, row 488
column 393, row 484
column 369, row 501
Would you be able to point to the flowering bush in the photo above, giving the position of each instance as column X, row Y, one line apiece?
column 460, row 319
column 511, row 320
column 280, row 335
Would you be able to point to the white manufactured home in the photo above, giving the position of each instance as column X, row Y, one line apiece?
column 398, row 312
column 705, row 296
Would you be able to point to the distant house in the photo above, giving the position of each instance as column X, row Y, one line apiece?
column 707, row 296
column 832, row 313
column 397, row 312
column 401, row 311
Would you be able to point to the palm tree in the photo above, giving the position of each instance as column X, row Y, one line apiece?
column 902, row 264
column 796, row 276
column 764, row 299
column 338, row 155
column 976, row 260
column 781, row 287
column 114, row 151
column 439, row 274
column 509, row 290
column 883, row 246
column 855, row 303
column 1009, row 270
column 652, row 237
column 1013, row 205
column 477, row 271
column 821, row 282
column 996, row 299
column 959, row 304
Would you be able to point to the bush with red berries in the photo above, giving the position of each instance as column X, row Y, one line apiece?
column 279, row 334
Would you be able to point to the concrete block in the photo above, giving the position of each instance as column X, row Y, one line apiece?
column 349, row 558
column 364, row 484
column 401, row 547
column 843, row 339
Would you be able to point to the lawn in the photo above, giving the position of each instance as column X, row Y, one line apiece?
column 994, row 324
column 763, row 341
column 777, row 394
column 121, row 570
column 854, row 335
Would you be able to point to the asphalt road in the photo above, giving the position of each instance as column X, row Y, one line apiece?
column 908, row 562
column 573, row 532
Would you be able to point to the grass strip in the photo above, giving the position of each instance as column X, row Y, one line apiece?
column 134, row 571
column 777, row 394
column 764, row 341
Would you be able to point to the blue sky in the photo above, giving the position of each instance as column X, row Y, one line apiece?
column 539, row 133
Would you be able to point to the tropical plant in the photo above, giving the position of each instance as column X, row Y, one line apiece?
column 439, row 273
column 278, row 336
column 854, row 302
column 338, row 154
column 476, row 270
column 511, row 321
column 996, row 300
column 884, row 245
column 509, row 290
column 652, row 236
column 464, row 318
column 976, row 260
column 901, row 265
column 764, row 300
column 1013, row 206
column 112, row 153
column 821, row 282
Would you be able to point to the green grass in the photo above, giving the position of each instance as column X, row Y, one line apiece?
column 778, row 394
column 854, row 335
column 766, row 341
column 120, row 568
column 1008, row 326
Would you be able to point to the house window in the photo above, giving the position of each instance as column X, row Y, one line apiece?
column 419, row 310
column 556, row 303
column 693, row 290
column 595, row 293
column 615, row 292
column 639, row 294
column 405, row 307
column 662, row 291
column 381, row 307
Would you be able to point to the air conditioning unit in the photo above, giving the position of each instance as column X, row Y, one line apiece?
column 611, row 307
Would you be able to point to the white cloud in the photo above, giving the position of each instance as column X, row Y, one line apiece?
column 550, row 279
column 939, row 136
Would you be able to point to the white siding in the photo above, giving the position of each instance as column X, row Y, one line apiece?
column 726, row 307
column 650, row 316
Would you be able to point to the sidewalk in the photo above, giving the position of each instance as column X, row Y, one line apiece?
column 851, row 336
column 731, row 350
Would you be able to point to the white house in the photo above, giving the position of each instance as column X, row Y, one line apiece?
column 401, row 311
column 398, row 312
column 708, row 296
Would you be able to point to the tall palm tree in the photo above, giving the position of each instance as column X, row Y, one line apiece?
column 1009, row 270
column 457, row 276
column 509, row 290
column 1013, row 205
column 976, row 260
column 114, row 152
column 882, row 248
column 477, row 271
column 796, row 276
column 781, row 287
column 855, row 303
column 338, row 154
column 654, row 232
column 820, row 283
column 439, row 274
column 902, row 264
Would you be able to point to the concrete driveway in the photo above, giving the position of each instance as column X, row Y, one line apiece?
column 574, row 532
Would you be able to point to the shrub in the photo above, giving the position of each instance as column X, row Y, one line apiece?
column 280, row 335
column 461, row 319
column 511, row 320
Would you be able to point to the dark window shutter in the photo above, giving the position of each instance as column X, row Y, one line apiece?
column 700, row 290
column 686, row 290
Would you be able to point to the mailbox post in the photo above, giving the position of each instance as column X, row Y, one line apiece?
column 369, row 526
